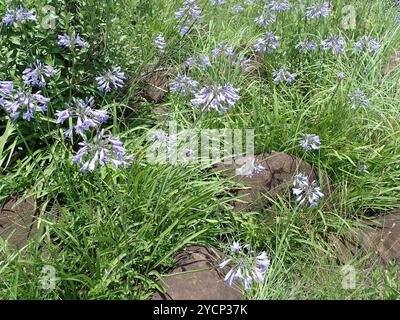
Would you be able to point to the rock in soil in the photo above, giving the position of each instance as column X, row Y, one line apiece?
column 276, row 179
column 156, row 85
column 17, row 221
column 196, row 276
column 393, row 63
column 380, row 237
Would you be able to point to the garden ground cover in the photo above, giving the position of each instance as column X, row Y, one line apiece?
column 110, row 227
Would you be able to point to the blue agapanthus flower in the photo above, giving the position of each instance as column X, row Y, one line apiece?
column 101, row 151
column 184, row 85
column 160, row 42
column 250, row 168
column 200, row 61
column 6, row 88
column 237, row 8
column 37, row 73
column 305, row 191
column 266, row 19
column 217, row 2
column 306, row 46
column 318, row 10
column 223, row 49
column 71, row 41
column 277, row 6
column 217, row 97
column 368, row 43
column 22, row 102
column 85, row 114
column 283, row 75
column 334, row 44
column 111, row 79
column 18, row 15
column 245, row 265
column 358, row 98
column 269, row 42
column 189, row 9
column 310, row 142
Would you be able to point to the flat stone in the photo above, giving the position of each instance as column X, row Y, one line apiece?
column 380, row 238
column 196, row 276
column 17, row 221
column 276, row 179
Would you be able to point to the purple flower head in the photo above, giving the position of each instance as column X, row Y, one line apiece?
column 113, row 78
column 266, row 19
column 6, row 87
column 305, row 191
column 245, row 266
column 101, row 150
column 318, row 10
column 201, row 62
column 223, row 49
column 397, row 19
column 306, row 46
column 219, row 98
column 71, row 41
column 217, row 2
column 36, row 74
column 370, row 44
column 269, row 42
column 283, row 75
column 86, row 116
column 334, row 44
column 340, row 76
column 184, row 85
column 277, row 6
column 160, row 42
column 23, row 102
column 249, row 168
column 358, row 98
column 237, row 8
column 310, row 142
column 18, row 15
column 189, row 9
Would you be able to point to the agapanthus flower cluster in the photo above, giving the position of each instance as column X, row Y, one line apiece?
column 341, row 76
column 217, row 2
column 18, row 15
column 184, row 85
column 23, row 102
column 249, row 168
column 277, row 6
column 318, row 10
column 368, row 43
column 305, row 191
column 37, row 73
column 283, row 75
column 223, row 49
column 245, row 265
column 200, row 61
column 358, row 98
column 101, row 151
column 160, row 42
column 6, row 88
column 237, row 8
column 310, row 142
column 266, row 19
column 71, row 41
column 191, row 13
column 113, row 78
column 269, row 42
column 245, row 63
column 216, row 97
column 306, row 46
column 334, row 44
column 85, row 114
